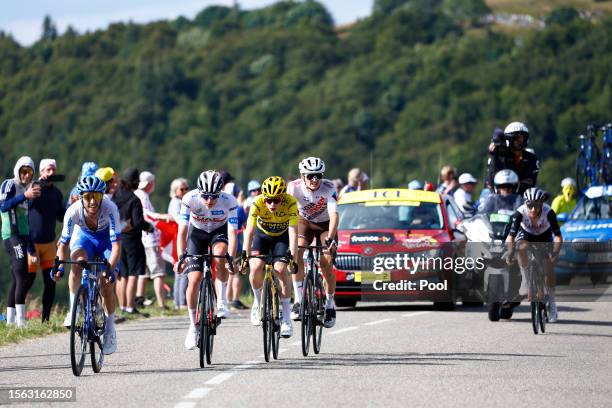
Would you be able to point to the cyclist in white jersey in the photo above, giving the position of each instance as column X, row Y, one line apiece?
column 535, row 221
column 99, row 233
column 317, row 207
column 208, row 216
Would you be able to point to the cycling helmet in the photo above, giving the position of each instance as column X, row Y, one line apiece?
column 273, row 187
column 568, row 181
column 210, row 182
column 505, row 176
column 312, row 165
column 90, row 184
column 534, row 194
column 516, row 128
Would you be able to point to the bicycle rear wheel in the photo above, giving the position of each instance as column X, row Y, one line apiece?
column 594, row 169
column 78, row 332
column 319, row 314
column 276, row 324
column 306, row 315
column 202, row 321
column 542, row 316
column 211, row 321
column 99, row 325
column 266, row 320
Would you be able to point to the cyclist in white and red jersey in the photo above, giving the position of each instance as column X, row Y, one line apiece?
column 208, row 216
column 316, row 198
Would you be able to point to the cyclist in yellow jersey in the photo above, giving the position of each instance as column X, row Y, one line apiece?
column 271, row 229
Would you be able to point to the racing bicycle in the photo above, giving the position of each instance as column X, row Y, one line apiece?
column 312, row 311
column 537, row 286
column 206, row 319
column 588, row 161
column 606, row 156
column 269, row 305
column 88, row 321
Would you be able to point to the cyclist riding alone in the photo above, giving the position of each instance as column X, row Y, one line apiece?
column 271, row 229
column 207, row 219
column 99, row 234
column 535, row 221
column 316, row 198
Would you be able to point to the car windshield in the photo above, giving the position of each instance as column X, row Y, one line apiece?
column 593, row 209
column 375, row 216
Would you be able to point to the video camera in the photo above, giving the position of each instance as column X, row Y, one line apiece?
column 503, row 147
column 51, row 179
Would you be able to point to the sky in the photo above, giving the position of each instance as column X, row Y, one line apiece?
column 23, row 19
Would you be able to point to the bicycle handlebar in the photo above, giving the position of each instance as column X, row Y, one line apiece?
column 227, row 257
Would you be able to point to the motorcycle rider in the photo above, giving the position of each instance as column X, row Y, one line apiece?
column 505, row 198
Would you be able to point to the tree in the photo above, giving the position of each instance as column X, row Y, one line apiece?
column 49, row 33
column 469, row 11
column 562, row 15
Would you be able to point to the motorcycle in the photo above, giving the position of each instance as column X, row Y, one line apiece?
column 486, row 235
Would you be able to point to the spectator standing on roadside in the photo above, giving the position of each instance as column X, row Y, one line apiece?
column 14, row 196
column 356, row 181
column 464, row 195
column 133, row 261
column 109, row 176
column 155, row 266
column 253, row 190
column 44, row 211
column 178, row 188
column 448, row 180
column 566, row 201
column 87, row 169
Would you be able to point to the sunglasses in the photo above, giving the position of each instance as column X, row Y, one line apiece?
column 210, row 196
column 533, row 204
column 272, row 200
column 184, row 189
column 26, row 170
column 317, row 176
column 93, row 196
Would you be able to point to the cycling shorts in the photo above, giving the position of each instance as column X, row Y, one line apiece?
column 308, row 231
column 523, row 235
column 264, row 244
column 198, row 242
column 94, row 243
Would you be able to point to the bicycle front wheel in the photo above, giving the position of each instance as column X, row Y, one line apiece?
column 203, row 324
column 78, row 332
column 306, row 316
column 266, row 320
column 542, row 316
column 318, row 314
column 211, row 321
column 275, row 324
column 534, row 316
column 99, row 325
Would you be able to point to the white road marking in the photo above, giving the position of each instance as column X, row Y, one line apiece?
column 414, row 314
column 297, row 343
column 281, row 350
column 197, row 393
column 346, row 329
column 185, row 405
column 377, row 322
column 219, row 378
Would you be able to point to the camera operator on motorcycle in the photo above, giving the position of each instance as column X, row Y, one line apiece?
column 508, row 151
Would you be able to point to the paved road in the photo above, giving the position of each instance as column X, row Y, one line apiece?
column 391, row 355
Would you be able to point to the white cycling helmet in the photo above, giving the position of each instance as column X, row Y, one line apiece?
column 505, row 176
column 312, row 165
column 210, row 182
column 568, row 181
column 516, row 127
column 535, row 194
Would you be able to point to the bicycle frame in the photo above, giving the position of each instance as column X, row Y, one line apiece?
column 271, row 277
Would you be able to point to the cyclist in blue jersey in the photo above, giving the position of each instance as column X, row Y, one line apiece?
column 99, row 234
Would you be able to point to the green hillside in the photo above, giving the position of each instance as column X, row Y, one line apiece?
column 418, row 84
